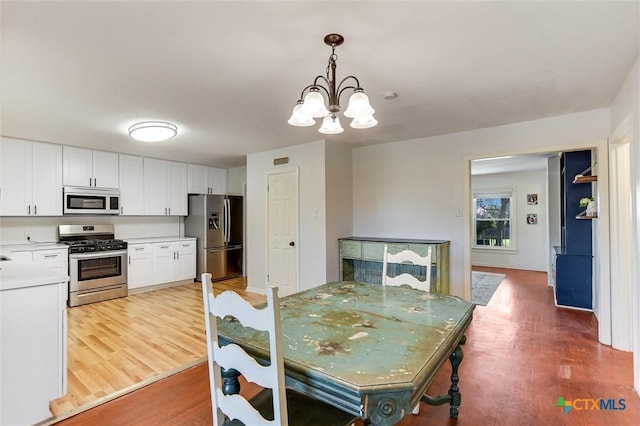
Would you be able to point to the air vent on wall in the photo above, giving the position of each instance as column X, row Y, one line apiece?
column 280, row 161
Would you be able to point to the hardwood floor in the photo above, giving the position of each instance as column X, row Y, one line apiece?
column 117, row 344
column 522, row 353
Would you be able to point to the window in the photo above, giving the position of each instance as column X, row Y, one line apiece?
column 493, row 220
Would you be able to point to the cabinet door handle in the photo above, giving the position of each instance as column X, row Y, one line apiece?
column 94, row 182
column 138, row 248
column 178, row 254
column 35, row 209
column 169, row 210
column 29, row 209
column 174, row 255
column 121, row 209
column 89, row 181
column 129, row 260
column 49, row 256
column 164, row 247
column 165, row 210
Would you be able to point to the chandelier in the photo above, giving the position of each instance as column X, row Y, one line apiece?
column 311, row 104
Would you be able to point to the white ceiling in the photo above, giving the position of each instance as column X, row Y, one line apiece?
column 228, row 73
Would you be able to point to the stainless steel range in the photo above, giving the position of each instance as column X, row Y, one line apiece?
column 97, row 263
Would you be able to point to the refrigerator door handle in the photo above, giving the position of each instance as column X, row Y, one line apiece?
column 227, row 221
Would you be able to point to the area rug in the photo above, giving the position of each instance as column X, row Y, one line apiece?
column 483, row 285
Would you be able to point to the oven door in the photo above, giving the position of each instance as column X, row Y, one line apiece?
column 89, row 271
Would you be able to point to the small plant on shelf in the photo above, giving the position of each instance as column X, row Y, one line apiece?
column 584, row 202
column 590, row 204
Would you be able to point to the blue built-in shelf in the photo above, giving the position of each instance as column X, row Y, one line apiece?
column 574, row 258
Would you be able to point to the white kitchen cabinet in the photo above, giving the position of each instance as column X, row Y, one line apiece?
column 177, row 189
column 89, row 168
column 54, row 259
column 174, row 261
column 206, row 180
column 33, row 343
column 165, row 188
column 186, row 260
column 164, row 258
column 140, row 266
column 30, row 178
column 131, row 173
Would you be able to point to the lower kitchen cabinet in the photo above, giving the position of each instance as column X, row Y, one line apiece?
column 160, row 262
column 33, row 346
column 140, row 267
column 56, row 259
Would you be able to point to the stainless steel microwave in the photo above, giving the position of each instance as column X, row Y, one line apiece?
column 78, row 200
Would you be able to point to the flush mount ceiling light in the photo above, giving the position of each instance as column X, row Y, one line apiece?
column 312, row 104
column 153, row 131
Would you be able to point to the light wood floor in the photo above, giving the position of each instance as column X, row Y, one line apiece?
column 116, row 344
column 522, row 353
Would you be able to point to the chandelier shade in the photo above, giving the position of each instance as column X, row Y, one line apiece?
column 322, row 99
column 364, row 122
column 331, row 125
column 359, row 106
column 300, row 117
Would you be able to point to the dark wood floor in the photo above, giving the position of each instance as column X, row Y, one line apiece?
column 522, row 353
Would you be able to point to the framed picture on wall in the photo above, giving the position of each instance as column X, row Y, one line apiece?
column 532, row 199
column 532, row 218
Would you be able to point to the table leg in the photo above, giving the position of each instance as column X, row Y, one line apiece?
column 230, row 382
column 453, row 397
column 454, row 391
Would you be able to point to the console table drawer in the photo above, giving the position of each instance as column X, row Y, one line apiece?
column 351, row 249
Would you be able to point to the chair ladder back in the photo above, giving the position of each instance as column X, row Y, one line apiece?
column 407, row 256
column 233, row 356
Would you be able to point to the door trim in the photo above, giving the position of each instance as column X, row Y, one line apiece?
column 295, row 170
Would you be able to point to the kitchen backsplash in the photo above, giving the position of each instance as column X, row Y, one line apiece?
column 45, row 229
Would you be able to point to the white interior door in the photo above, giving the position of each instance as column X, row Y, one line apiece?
column 283, row 231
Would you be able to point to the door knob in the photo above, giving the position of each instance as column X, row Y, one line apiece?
column 292, row 244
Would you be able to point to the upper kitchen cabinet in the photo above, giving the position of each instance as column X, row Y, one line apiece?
column 131, row 173
column 207, row 180
column 89, row 168
column 30, row 178
column 165, row 188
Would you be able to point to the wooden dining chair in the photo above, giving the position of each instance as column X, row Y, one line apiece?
column 274, row 405
column 411, row 257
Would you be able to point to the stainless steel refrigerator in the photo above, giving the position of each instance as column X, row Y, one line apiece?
column 216, row 222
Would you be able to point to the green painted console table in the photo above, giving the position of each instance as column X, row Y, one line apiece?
column 367, row 349
column 361, row 260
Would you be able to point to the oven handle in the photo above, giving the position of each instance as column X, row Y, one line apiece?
column 97, row 254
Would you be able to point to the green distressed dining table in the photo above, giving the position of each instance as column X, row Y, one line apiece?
column 369, row 350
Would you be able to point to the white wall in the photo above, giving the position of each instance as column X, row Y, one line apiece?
column 45, row 229
column 531, row 240
column 627, row 106
column 413, row 189
column 553, row 210
column 309, row 159
column 339, row 203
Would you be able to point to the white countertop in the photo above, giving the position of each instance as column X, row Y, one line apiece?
column 16, row 274
column 147, row 240
column 6, row 247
